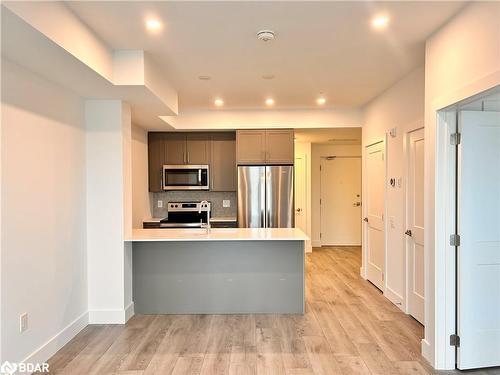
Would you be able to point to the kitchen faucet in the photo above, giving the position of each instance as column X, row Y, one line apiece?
column 207, row 224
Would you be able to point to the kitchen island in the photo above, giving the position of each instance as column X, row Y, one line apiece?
column 235, row 270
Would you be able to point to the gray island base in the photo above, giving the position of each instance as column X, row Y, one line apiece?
column 218, row 277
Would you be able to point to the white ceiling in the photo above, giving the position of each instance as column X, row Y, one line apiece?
column 334, row 136
column 326, row 47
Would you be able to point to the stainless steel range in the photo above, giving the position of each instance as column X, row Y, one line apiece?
column 184, row 215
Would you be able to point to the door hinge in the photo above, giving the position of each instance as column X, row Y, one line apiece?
column 455, row 340
column 455, row 139
column 455, row 240
column 382, row 277
column 320, row 235
column 320, row 201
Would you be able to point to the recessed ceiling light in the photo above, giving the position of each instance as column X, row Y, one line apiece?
column 153, row 24
column 380, row 22
column 321, row 100
column 269, row 101
column 219, row 102
column 204, row 78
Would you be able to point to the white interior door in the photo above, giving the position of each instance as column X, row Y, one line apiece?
column 341, row 201
column 374, row 202
column 415, row 232
column 300, row 193
column 479, row 251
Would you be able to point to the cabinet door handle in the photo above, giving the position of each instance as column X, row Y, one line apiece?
column 187, row 157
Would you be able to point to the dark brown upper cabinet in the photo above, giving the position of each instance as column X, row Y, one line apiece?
column 197, row 148
column 274, row 146
column 187, row 148
column 156, row 159
column 280, row 146
column 215, row 149
column 175, row 148
column 223, row 162
column 251, row 146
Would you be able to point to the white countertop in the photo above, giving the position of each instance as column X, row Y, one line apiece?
column 219, row 234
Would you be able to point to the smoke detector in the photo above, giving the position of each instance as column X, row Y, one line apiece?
column 265, row 35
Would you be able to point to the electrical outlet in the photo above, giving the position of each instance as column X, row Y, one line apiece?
column 226, row 203
column 160, row 203
column 23, row 322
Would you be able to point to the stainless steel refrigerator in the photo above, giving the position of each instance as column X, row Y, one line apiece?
column 265, row 196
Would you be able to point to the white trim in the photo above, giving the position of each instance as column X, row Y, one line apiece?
column 340, row 244
column 439, row 353
column 426, row 348
column 364, row 258
column 47, row 350
column 316, row 243
column 406, row 149
column 307, row 246
column 362, row 272
column 444, row 256
column 111, row 316
column 395, row 298
column 129, row 311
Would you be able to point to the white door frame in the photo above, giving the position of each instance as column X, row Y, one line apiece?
column 406, row 149
column 440, row 352
column 444, row 254
column 364, row 240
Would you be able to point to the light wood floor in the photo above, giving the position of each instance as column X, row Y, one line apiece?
column 348, row 328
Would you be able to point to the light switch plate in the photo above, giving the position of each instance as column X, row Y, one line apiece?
column 160, row 203
column 226, row 203
column 23, row 322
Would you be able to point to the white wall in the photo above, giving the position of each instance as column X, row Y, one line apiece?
column 43, row 215
column 265, row 118
column 303, row 150
column 318, row 151
column 462, row 59
column 109, row 210
column 141, row 207
column 400, row 107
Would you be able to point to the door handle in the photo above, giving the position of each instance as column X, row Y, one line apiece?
column 356, row 204
column 365, row 220
column 408, row 233
column 298, row 209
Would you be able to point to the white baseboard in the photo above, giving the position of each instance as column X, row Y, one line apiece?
column 308, row 247
column 129, row 311
column 395, row 298
column 111, row 316
column 427, row 352
column 47, row 350
column 362, row 272
column 316, row 243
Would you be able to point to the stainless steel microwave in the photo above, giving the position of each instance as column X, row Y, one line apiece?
column 185, row 177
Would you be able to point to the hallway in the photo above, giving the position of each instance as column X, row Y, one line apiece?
column 348, row 328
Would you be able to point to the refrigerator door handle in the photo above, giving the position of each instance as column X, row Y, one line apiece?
column 263, row 198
